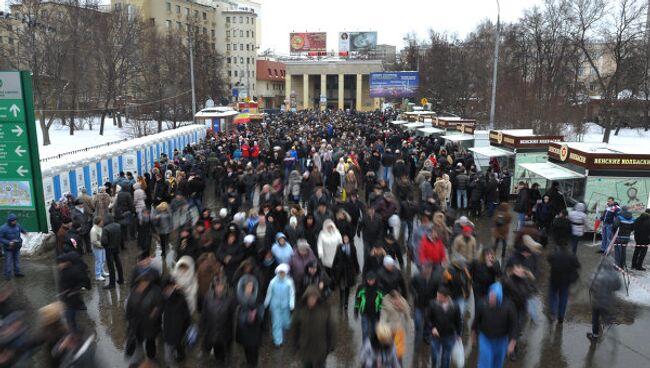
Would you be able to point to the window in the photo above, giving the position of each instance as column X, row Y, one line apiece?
column 234, row 60
column 247, row 47
column 228, row 60
column 241, row 33
column 178, row 9
column 196, row 14
column 205, row 16
column 241, row 60
column 248, row 73
column 234, row 47
column 253, row 72
column 118, row 7
column 241, row 20
column 179, row 25
column 247, row 20
column 187, row 27
column 248, row 61
column 253, row 34
column 235, row 73
column 169, row 6
column 253, row 20
column 227, row 33
column 169, row 24
column 229, row 73
column 10, row 40
column 205, row 31
column 275, row 72
column 227, row 19
column 269, row 70
column 248, row 34
column 241, row 47
column 212, row 33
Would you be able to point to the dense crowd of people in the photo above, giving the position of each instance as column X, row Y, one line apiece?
column 291, row 195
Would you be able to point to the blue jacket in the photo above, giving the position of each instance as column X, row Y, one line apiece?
column 10, row 233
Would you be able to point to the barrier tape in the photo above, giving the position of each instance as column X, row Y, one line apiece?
column 633, row 278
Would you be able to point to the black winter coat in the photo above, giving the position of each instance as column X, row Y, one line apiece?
column 217, row 319
column 642, row 229
column 564, row 267
column 483, row 276
column 143, row 312
column 345, row 267
column 176, row 318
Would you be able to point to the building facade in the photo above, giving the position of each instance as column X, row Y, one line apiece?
column 270, row 77
column 237, row 43
column 333, row 84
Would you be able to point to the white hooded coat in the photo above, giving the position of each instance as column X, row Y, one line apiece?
column 186, row 281
column 328, row 240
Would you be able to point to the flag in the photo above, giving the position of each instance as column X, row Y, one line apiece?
column 242, row 119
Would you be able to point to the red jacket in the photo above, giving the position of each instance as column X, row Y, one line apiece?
column 256, row 151
column 431, row 251
column 245, row 150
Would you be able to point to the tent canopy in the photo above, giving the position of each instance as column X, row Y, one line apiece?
column 551, row 171
column 491, row 151
column 458, row 137
column 399, row 122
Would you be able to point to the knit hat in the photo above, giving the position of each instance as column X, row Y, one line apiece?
column 249, row 239
column 283, row 267
column 389, row 261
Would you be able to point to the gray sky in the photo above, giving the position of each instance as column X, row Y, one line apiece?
column 391, row 19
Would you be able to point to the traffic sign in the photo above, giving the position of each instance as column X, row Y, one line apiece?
column 21, row 184
column 424, row 101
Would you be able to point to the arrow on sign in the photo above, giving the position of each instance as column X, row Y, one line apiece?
column 14, row 110
column 19, row 151
column 21, row 170
column 17, row 130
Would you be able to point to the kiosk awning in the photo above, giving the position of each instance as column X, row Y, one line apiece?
column 458, row 137
column 413, row 125
column 551, row 171
column 399, row 122
column 491, row 151
column 431, row 130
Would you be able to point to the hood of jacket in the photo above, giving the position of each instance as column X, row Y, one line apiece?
column 580, row 207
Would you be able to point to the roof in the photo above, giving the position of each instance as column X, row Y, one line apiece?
column 518, row 132
column 458, row 137
column 216, row 112
column 637, row 149
column 267, row 70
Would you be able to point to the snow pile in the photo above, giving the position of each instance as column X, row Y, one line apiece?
column 639, row 292
column 32, row 243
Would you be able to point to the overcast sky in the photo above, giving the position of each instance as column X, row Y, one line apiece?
column 391, row 19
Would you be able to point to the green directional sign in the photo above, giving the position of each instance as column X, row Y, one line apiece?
column 21, row 184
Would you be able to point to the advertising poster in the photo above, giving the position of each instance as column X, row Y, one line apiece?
column 65, row 182
column 81, row 183
column 48, row 190
column 308, row 42
column 93, row 179
column 15, row 194
column 357, row 41
column 116, row 168
column 129, row 162
column 394, row 84
column 630, row 192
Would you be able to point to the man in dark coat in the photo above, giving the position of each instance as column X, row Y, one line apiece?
column 144, row 307
column 124, row 213
column 217, row 321
column 82, row 216
column 73, row 275
column 371, row 229
column 314, row 329
column 176, row 319
column 111, row 241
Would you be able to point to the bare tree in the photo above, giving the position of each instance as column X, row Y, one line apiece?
column 612, row 31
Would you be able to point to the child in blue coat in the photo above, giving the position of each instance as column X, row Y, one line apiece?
column 280, row 298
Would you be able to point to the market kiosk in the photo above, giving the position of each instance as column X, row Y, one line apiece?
column 219, row 119
column 592, row 172
column 414, row 116
column 452, row 123
column 429, row 132
column 396, row 123
column 513, row 147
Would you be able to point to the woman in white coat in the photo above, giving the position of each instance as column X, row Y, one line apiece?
column 328, row 240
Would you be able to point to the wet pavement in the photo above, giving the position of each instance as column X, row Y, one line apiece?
column 544, row 344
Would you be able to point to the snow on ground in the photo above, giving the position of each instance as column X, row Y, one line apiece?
column 639, row 291
column 63, row 142
column 594, row 134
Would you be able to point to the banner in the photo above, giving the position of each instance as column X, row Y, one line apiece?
column 394, row 84
column 308, row 42
column 357, row 41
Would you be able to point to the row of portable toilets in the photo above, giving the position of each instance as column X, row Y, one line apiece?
column 91, row 169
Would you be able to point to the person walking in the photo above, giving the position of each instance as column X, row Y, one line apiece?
column 328, row 240
column 345, row 268
column 111, row 241
column 368, row 303
column 564, row 271
column 176, row 319
column 605, row 282
column 578, row 219
column 280, row 298
column 446, row 327
column 217, row 321
column 144, row 307
column 10, row 238
column 73, row 275
column 82, row 217
column 379, row 349
column 495, row 328
column 249, row 319
column 641, row 229
column 314, row 329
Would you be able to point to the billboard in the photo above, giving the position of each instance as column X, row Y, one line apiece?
column 357, row 41
column 394, row 84
column 308, row 41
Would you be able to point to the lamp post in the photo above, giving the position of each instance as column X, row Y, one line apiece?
column 495, row 67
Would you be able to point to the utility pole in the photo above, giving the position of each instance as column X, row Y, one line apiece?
column 495, row 67
column 192, row 75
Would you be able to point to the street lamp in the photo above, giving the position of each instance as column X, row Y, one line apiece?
column 495, row 67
